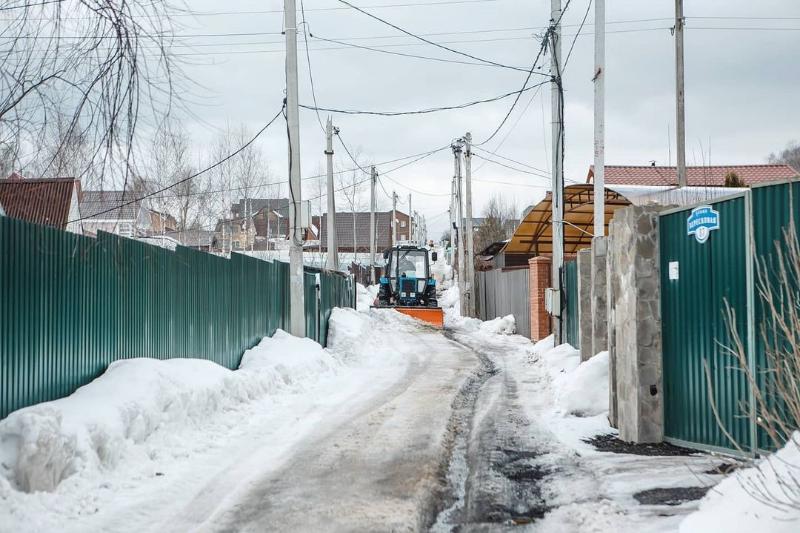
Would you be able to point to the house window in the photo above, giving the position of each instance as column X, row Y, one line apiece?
column 402, row 223
column 402, row 237
column 237, row 244
column 126, row 229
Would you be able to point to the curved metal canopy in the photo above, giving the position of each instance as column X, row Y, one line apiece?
column 534, row 234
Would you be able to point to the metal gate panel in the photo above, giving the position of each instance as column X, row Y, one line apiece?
column 570, row 313
column 705, row 389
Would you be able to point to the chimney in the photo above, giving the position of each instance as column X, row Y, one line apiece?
column 15, row 176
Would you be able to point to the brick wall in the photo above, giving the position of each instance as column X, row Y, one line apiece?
column 539, row 280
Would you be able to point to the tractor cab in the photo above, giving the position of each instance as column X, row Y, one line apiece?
column 407, row 284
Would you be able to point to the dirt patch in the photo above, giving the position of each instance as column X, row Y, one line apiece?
column 723, row 469
column 671, row 496
column 610, row 443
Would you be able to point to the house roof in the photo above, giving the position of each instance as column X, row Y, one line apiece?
column 713, row 176
column 107, row 205
column 41, row 201
column 256, row 205
column 344, row 228
column 193, row 238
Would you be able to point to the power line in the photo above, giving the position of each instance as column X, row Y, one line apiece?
column 546, row 172
column 308, row 60
column 575, row 38
column 536, row 174
column 192, row 176
column 423, row 39
column 422, row 111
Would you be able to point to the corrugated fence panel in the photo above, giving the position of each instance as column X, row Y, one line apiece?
column 776, row 209
column 70, row 305
column 504, row 292
column 698, row 374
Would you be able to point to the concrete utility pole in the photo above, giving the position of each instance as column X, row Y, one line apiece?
column 462, row 275
column 297, row 322
column 394, row 218
column 410, row 220
column 332, row 260
column 558, row 163
column 680, row 110
column 372, row 243
column 451, row 214
column 599, row 117
column 470, row 282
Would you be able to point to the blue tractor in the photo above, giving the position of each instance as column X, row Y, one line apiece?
column 407, row 284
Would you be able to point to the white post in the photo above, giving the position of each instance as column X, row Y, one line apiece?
column 680, row 111
column 558, row 160
column 470, row 260
column 297, row 322
column 372, row 244
column 599, row 117
column 394, row 218
column 410, row 220
column 332, row 259
column 462, row 285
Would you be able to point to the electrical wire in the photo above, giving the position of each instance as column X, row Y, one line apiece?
column 544, row 172
column 308, row 60
column 575, row 38
column 422, row 111
column 192, row 176
column 536, row 174
column 423, row 39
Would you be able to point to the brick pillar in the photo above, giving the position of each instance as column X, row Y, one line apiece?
column 539, row 272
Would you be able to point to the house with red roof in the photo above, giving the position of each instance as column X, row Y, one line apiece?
column 51, row 202
column 705, row 176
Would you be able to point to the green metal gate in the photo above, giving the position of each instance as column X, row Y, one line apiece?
column 570, row 312
column 706, row 392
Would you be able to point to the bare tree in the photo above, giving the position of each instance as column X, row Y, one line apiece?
column 92, row 64
column 497, row 216
column 789, row 156
column 351, row 184
column 249, row 176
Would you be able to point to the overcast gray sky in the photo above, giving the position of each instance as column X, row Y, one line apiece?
column 742, row 85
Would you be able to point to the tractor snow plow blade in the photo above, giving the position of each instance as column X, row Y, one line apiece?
column 431, row 315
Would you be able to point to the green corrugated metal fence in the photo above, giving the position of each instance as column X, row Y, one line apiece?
column 776, row 208
column 572, row 326
column 696, row 367
column 70, row 305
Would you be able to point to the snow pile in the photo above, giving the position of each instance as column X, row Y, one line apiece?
column 103, row 422
column 500, row 326
column 584, row 391
column 761, row 498
column 450, row 299
column 365, row 296
column 560, row 360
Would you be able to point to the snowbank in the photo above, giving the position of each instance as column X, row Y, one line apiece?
column 762, row 498
column 584, row 391
column 365, row 296
column 102, row 422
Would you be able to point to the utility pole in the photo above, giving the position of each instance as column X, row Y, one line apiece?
column 332, row 260
column 599, row 117
column 462, row 276
column 680, row 110
column 394, row 218
column 451, row 214
column 558, row 163
column 410, row 220
column 372, row 243
column 297, row 322
column 470, row 266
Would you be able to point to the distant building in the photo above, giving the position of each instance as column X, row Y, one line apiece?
column 118, row 212
column 51, row 202
column 197, row 239
column 234, row 235
column 710, row 176
column 383, row 230
column 269, row 216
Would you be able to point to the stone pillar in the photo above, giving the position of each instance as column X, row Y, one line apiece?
column 539, row 280
column 612, row 281
column 637, row 324
column 599, row 295
column 585, row 302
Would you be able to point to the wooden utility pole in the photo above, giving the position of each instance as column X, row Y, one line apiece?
column 297, row 314
column 469, row 236
column 372, row 243
column 599, row 117
column 558, row 164
column 680, row 110
column 332, row 259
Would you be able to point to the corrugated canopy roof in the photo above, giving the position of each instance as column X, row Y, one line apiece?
column 41, row 201
column 534, row 234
